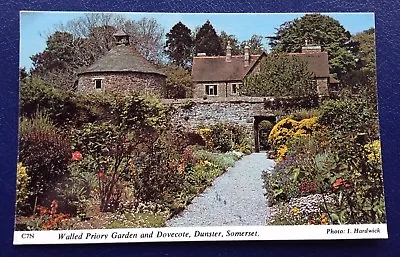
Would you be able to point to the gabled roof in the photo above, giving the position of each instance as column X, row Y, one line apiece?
column 122, row 58
column 216, row 68
column 317, row 62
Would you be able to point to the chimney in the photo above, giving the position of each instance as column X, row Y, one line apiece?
column 246, row 55
column 121, row 38
column 228, row 52
column 311, row 48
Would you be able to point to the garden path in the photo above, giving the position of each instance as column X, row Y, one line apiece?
column 235, row 199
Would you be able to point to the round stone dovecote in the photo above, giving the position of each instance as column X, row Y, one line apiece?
column 122, row 70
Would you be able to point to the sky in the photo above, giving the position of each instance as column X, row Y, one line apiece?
column 36, row 26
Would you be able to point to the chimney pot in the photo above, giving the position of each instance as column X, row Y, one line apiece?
column 246, row 55
column 228, row 52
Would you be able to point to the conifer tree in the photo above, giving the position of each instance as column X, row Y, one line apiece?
column 179, row 45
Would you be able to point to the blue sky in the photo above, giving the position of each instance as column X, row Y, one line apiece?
column 36, row 26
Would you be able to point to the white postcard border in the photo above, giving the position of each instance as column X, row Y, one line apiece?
column 226, row 233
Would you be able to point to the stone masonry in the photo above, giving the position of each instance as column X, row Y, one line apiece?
column 123, row 82
column 191, row 113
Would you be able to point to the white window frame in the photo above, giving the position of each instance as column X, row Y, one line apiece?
column 237, row 85
column 207, row 89
column 101, row 83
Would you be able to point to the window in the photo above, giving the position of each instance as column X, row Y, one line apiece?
column 235, row 88
column 211, row 90
column 98, row 83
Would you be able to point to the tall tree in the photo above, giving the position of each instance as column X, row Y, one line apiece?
column 280, row 76
column 234, row 42
column 255, row 44
column 147, row 37
column 179, row 45
column 207, row 41
column 322, row 30
column 59, row 60
column 367, row 50
column 179, row 82
column 363, row 79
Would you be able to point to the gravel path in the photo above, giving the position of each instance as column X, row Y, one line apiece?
column 235, row 199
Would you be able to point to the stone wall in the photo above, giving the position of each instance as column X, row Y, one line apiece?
column 123, row 82
column 191, row 113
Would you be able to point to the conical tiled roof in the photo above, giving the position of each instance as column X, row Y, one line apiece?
column 122, row 59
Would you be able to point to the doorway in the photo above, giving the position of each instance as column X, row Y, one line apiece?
column 260, row 143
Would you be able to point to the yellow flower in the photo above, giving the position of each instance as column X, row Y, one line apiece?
column 324, row 219
column 281, row 153
column 296, row 211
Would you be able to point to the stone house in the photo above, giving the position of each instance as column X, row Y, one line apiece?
column 122, row 70
column 222, row 76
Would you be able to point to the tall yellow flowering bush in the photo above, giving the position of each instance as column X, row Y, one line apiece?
column 22, row 187
column 288, row 128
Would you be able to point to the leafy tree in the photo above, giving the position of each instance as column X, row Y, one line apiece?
column 57, row 62
column 234, row 42
column 179, row 82
column 207, row 41
column 179, row 45
column 322, row 30
column 366, row 52
column 280, row 76
column 255, row 44
column 363, row 79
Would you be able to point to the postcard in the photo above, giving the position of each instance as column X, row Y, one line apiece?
column 162, row 127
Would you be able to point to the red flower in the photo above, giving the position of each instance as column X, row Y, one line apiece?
column 100, row 174
column 76, row 156
column 340, row 182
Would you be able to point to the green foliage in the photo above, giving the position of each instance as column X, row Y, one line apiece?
column 76, row 190
column 46, row 154
column 301, row 114
column 280, row 76
column 179, row 45
column 234, row 42
column 349, row 116
column 255, row 44
column 265, row 128
column 225, row 137
column 207, row 41
column 367, row 50
column 179, row 83
column 321, row 30
column 64, row 108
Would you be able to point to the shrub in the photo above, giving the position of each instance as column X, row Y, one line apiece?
column 350, row 116
column 76, row 190
column 45, row 152
column 287, row 129
column 23, row 192
column 265, row 128
column 225, row 137
column 302, row 114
